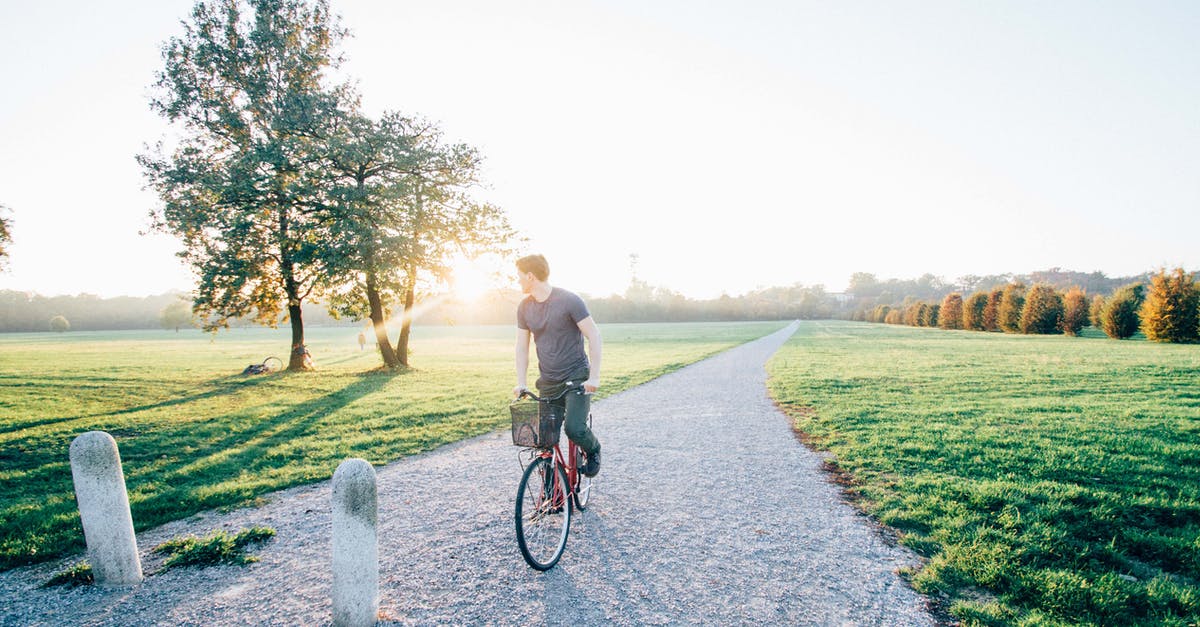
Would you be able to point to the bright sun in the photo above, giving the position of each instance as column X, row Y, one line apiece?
column 472, row 278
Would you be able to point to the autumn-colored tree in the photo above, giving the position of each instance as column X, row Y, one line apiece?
column 929, row 316
column 1075, row 311
column 1012, row 301
column 950, row 315
column 1096, row 312
column 59, row 324
column 1120, row 318
column 1043, row 310
column 991, row 310
column 972, row 313
column 895, row 316
column 912, row 314
column 1170, row 311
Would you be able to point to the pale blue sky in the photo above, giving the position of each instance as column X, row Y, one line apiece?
column 729, row 144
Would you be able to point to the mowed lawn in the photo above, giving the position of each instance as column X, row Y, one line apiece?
column 195, row 434
column 1048, row 480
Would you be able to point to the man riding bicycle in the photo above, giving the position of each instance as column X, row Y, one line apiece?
column 559, row 321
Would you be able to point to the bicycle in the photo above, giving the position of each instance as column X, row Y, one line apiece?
column 552, row 485
column 270, row 364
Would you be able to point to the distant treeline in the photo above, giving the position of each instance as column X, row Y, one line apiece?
column 644, row 304
column 866, row 291
column 24, row 311
column 1166, row 308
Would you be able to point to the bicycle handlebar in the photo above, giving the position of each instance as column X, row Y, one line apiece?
column 571, row 385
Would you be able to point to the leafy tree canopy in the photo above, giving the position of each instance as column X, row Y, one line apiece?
column 247, row 84
column 5, row 236
column 1171, row 311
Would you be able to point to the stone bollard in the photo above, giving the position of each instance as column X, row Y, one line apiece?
column 104, row 510
column 355, row 544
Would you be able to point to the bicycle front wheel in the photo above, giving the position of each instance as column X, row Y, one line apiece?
column 583, row 491
column 543, row 513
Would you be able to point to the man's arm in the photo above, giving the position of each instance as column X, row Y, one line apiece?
column 591, row 332
column 522, row 361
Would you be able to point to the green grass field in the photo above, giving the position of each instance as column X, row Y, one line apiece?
column 1048, row 480
column 195, row 434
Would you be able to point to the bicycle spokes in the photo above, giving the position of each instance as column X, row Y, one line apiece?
column 543, row 513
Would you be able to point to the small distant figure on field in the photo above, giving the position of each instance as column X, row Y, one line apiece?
column 559, row 322
column 362, row 340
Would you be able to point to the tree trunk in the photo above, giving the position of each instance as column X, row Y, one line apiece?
column 411, row 287
column 297, row 360
column 381, row 338
column 405, row 324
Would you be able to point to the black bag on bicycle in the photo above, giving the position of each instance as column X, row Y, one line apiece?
column 536, row 424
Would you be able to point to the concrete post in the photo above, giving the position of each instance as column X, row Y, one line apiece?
column 355, row 545
column 104, row 510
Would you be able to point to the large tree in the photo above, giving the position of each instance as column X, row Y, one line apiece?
column 1075, row 311
column 367, row 160
column 246, row 84
column 950, row 315
column 1042, row 312
column 973, row 312
column 402, row 211
column 991, row 310
column 441, row 220
column 1120, row 316
column 1171, row 311
column 1012, row 302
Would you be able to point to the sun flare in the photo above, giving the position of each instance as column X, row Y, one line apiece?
column 471, row 279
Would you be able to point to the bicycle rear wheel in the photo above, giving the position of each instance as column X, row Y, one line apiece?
column 543, row 513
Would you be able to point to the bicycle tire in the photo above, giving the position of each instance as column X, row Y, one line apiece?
column 543, row 513
column 583, row 491
column 271, row 364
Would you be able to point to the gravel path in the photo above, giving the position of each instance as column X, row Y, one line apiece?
column 707, row 511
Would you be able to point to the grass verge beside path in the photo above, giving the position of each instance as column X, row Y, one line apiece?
column 195, row 434
column 1048, row 480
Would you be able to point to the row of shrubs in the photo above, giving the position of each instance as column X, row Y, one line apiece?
column 1168, row 311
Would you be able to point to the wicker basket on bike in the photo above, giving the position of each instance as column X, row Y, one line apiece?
column 535, row 424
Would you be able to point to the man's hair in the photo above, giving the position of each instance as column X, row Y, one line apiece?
column 536, row 264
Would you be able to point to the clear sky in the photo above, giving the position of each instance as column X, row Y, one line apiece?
column 729, row 144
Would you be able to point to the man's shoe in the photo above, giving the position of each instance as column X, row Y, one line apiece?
column 592, row 466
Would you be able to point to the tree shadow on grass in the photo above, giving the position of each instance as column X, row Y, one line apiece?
column 216, row 387
column 227, row 447
column 222, row 449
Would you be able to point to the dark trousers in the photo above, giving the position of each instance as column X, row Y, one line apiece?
column 577, row 405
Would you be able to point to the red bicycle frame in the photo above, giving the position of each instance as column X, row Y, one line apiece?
column 555, row 453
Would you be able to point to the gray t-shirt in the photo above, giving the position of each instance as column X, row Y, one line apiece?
column 554, row 324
